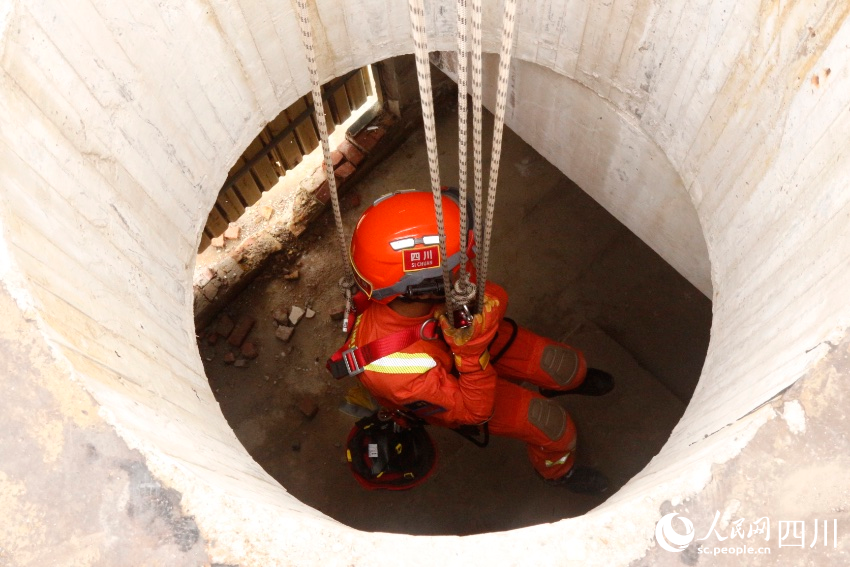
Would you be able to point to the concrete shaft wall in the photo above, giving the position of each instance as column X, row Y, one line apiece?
column 715, row 130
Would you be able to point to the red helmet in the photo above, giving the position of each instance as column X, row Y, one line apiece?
column 395, row 248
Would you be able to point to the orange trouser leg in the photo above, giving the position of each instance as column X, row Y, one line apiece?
column 527, row 356
column 515, row 413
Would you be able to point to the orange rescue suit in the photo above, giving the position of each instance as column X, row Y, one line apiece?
column 422, row 378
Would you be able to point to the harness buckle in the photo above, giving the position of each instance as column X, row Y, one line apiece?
column 351, row 363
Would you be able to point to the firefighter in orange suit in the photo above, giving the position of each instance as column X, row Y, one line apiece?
column 451, row 381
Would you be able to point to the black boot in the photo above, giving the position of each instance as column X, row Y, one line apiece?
column 582, row 480
column 596, row 383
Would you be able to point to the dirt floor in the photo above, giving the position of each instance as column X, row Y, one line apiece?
column 573, row 272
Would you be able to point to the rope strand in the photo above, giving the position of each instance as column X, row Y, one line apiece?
column 423, row 73
column 498, row 128
column 347, row 282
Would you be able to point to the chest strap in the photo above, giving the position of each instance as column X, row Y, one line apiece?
column 352, row 361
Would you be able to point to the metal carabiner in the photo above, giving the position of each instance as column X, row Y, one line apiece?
column 422, row 330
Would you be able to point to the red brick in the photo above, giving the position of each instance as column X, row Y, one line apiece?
column 351, row 152
column 336, row 157
column 344, row 172
column 368, row 139
column 212, row 338
column 308, row 407
column 229, row 358
column 224, row 326
column 284, row 333
column 323, row 193
column 249, row 351
column 241, row 330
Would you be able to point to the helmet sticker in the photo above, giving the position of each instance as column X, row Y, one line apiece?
column 421, row 258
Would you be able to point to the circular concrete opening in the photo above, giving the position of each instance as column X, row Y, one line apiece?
column 708, row 125
column 574, row 273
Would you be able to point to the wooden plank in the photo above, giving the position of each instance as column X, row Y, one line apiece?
column 288, row 148
column 246, row 188
column 331, row 122
column 356, row 90
column 229, row 204
column 343, row 106
column 216, row 223
column 263, row 171
column 274, row 155
column 304, row 132
column 367, row 83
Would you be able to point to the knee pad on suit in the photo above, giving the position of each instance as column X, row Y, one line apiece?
column 560, row 363
column 548, row 417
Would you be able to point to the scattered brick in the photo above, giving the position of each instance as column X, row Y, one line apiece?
column 211, row 289
column 323, row 193
column 295, row 315
column 354, row 200
column 206, row 275
column 266, row 212
column 281, row 315
column 308, row 407
column 241, row 330
column 229, row 358
column 224, row 326
column 293, row 275
column 212, row 338
column 344, row 172
column 351, row 152
column 218, row 241
column 249, row 351
column 284, row 333
column 233, row 231
column 369, row 137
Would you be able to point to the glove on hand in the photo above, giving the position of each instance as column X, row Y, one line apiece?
column 469, row 345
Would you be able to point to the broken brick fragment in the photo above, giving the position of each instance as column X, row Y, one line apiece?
column 308, row 407
column 229, row 358
column 249, row 351
column 233, row 231
column 284, row 333
column 344, row 172
column 240, row 330
column 224, row 326
column 351, row 153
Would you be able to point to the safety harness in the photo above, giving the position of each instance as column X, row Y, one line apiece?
column 351, row 361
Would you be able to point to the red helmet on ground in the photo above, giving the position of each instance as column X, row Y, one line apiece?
column 395, row 248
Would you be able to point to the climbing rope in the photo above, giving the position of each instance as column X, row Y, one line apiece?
column 476, row 122
column 508, row 22
column 347, row 282
column 423, row 73
column 464, row 291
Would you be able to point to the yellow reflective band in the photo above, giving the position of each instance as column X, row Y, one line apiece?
column 403, row 363
column 560, row 461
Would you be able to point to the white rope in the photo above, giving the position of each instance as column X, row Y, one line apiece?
column 464, row 291
column 498, row 126
column 347, row 282
column 423, row 73
column 476, row 126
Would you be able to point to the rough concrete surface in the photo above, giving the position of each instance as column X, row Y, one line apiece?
column 71, row 491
